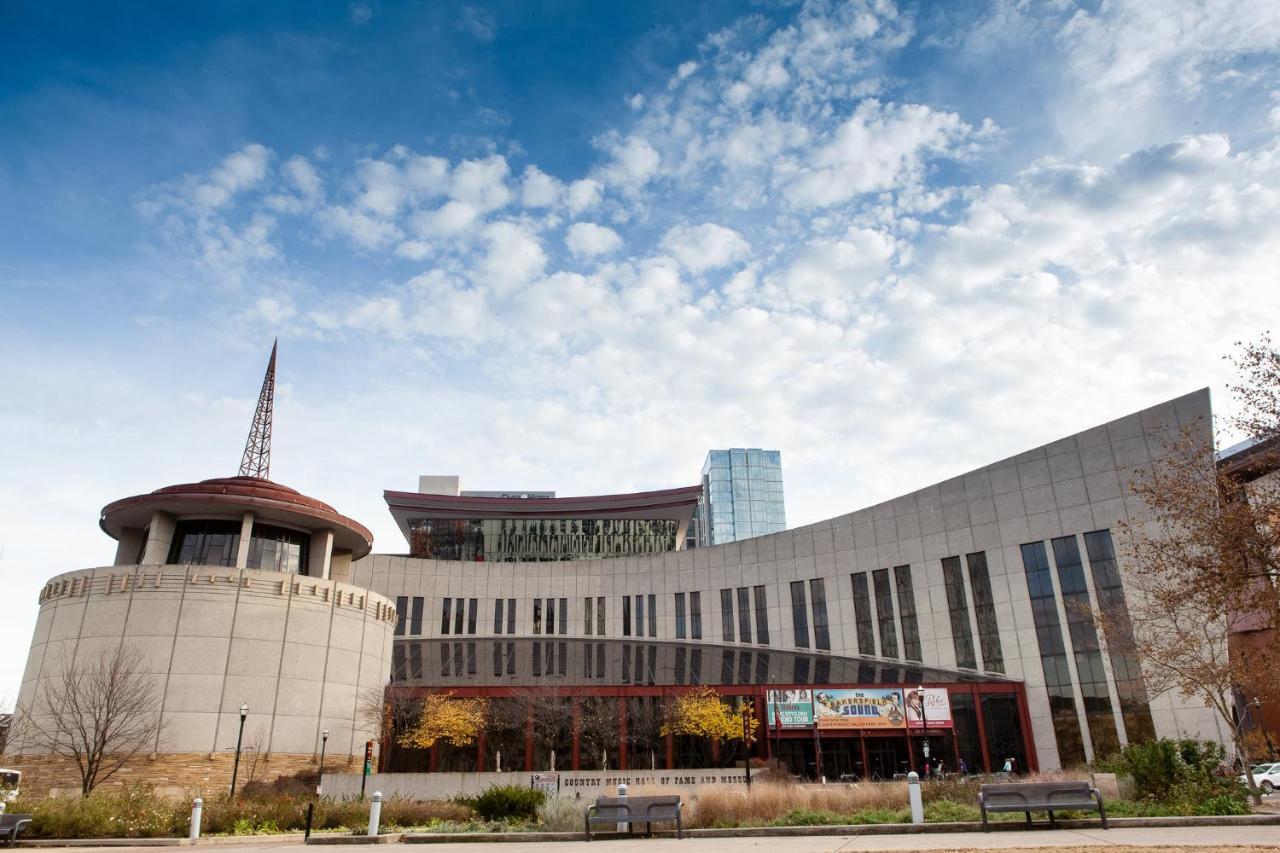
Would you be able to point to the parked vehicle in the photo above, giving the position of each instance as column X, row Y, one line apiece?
column 1265, row 776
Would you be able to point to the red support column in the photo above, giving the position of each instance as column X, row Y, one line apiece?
column 622, row 732
column 671, row 752
column 480, row 746
column 1028, row 742
column 911, row 753
column 866, row 764
column 577, row 725
column 528, row 741
column 982, row 730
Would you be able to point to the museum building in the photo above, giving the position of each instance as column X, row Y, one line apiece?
column 952, row 623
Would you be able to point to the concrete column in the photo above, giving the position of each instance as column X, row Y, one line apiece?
column 159, row 538
column 130, row 546
column 320, row 558
column 246, row 533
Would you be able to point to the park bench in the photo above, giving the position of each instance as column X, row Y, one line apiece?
column 1048, row 797
column 11, row 825
column 633, row 810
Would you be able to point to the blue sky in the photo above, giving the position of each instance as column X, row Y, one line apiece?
column 573, row 245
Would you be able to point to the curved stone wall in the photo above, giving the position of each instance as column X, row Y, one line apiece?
column 300, row 651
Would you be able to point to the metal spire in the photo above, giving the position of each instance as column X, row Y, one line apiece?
column 256, row 461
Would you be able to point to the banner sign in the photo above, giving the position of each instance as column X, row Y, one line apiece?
column 793, row 709
column 868, row 708
column 936, row 712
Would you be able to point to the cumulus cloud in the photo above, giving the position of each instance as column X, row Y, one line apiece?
column 513, row 256
column 587, row 240
column 706, row 246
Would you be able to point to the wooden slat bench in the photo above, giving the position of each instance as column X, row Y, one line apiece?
column 11, row 825
column 632, row 810
column 1048, row 797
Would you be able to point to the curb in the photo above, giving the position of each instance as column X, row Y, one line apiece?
column 208, row 840
column 388, row 838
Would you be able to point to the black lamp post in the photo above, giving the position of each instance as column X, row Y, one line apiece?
column 924, row 723
column 324, row 741
column 235, row 768
column 746, row 739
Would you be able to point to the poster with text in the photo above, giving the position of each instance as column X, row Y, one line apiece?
column 869, row 708
column 936, row 711
column 792, row 709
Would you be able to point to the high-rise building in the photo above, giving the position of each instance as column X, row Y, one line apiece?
column 741, row 495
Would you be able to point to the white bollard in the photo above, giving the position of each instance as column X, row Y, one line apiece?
column 913, row 796
column 197, row 808
column 375, row 812
column 622, row 792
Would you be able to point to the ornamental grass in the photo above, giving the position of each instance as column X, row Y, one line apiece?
column 767, row 803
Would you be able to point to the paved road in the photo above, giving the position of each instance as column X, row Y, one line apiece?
column 1260, row 836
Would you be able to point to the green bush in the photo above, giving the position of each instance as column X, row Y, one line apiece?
column 132, row 813
column 1182, row 775
column 561, row 814
column 948, row 811
column 509, row 802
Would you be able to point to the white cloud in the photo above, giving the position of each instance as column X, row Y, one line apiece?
column 367, row 232
column 453, row 217
column 237, row 173
column 705, row 247
column 588, row 240
column 513, row 256
column 482, row 183
column 634, row 162
column 538, row 189
column 583, row 195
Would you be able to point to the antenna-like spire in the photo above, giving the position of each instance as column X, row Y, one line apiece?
column 256, row 461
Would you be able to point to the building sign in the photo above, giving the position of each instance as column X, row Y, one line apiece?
column 790, row 709
column 859, row 709
column 547, row 783
column 936, row 712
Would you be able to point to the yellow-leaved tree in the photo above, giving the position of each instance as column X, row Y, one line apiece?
column 702, row 713
column 447, row 718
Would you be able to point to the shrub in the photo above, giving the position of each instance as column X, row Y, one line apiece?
column 132, row 813
column 947, row 811
column 763, row 804
column 1182, row 775
column 509, row 802
column 561, row 814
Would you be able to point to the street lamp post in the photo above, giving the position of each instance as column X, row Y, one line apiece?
column 324, row 741
column 235, row 768
column 924, row 723
column 746, row 739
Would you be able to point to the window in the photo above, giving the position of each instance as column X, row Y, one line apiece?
column 277, row 549
column 537, row 616
column 907, row 613
column 958, row 606
column 639, row 625
column 551, row 615
column 205, row 543
column 680, row 626
column 587, row 623
column 457, row 615
column 744, row 615
column 1130, row 689
column 799, row 614
column 821, row 636
column 1053, row 657
column 626, row 616
column 726, row 615
column 762, row 616
column 653, row 615
column 446, row 608
column 884, row 613
column 497, row 619
column 415, row 617
column 564, row 616
column 472, row 607
column 402, row 609
column 600, row 615
column 511, row 615
column 984, row 608
column 1084, row 643
column 862, row 615
column 695, row 615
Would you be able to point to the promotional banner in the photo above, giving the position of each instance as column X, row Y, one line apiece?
column 936, row 711
column 859, row 709
column 792, row 708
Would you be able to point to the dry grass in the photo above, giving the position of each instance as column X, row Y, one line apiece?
column 735, row 806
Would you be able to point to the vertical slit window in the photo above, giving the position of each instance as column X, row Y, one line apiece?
column 599, row 660
column 444, row 658
column 958, row 607
column 626, row 616
column 415, row 617
column 680, row 627
column 726, row 615
column 762, row 615
column 695, row 615
column 1130, row 688
column 799, row 615
column 551, row 616
column 821, row 634
column 1084, row 643
column 586, row 618
column 985, row 609
column 639, row 611
column 457, row 615
column 537, row 616
column 446, row 610
column 497, row 620
column 511, row 615
column 744, row 615
column 862, row 615
column 402, row 608
column 497, row 659
column 907, row 613
column 472, row 607
column 653, row 615
column 1053, row 654
column 884, row 613
column 600, row 615
column 564, row 616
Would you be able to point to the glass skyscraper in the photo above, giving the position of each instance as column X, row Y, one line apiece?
column 741, row 495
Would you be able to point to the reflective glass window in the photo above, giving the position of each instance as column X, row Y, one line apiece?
column 695, row 615
column 884, row 613
column 958, row 608
column 1053, row 660
column 864, row 622
column 1084, row 644
column 985, row 610
column 907, row 613
column 726, row 615
column 744, row 615
column 205, row 543
column 278, row 549
column 799, row 615
column 762, row 615
column 680, row 616
column 821, row 635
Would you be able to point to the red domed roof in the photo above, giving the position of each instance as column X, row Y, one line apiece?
column 229, row 496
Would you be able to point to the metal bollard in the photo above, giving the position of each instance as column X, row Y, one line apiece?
column 913, row 796
column 197, row 807
column 375, row 812
column 622, row 792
